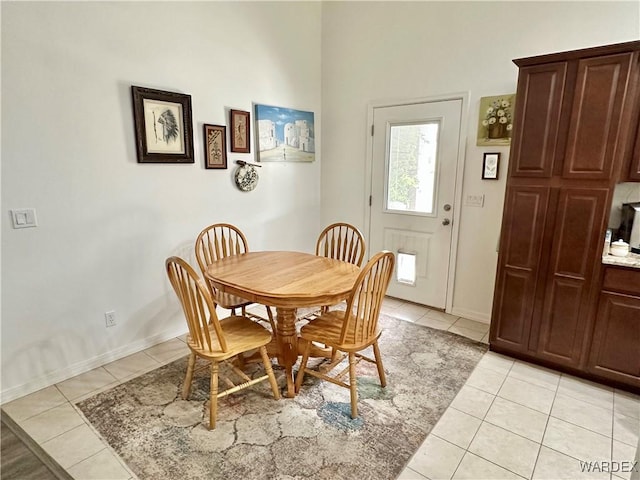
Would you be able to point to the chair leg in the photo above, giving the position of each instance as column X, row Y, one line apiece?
column 186, row 386
column 303, row 365
column 240, row 361
column 334, row 354
column 271, row 320
column 213, row 396
column 376, row 353
column 269, row 370
column 353, row 385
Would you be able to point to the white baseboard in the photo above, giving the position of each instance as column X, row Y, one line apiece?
column 71, row 371
column 471, row 315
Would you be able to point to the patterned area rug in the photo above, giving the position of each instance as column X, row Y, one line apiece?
column 160, row 436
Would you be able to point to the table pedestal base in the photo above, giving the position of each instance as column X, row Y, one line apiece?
column 287, row 341
column 288, row 344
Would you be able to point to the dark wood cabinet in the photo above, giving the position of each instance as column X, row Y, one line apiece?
column 574, row 123
column 596, row 142
column 571, row 279
column 634, row 171
column 538, row 104
column 521, row 247
column 615, row 349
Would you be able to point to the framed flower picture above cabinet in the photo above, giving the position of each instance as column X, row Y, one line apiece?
column 495, row 122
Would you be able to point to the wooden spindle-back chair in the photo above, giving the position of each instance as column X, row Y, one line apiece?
column 218, row 241
column 353, row 330
column 216, row 340
column 341, row 241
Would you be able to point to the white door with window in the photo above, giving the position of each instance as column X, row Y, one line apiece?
column 415, row 153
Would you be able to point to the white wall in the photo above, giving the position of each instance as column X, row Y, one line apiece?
column 379, row 51
column 107, row 223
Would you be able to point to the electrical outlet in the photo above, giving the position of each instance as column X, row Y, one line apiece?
column 110, row 318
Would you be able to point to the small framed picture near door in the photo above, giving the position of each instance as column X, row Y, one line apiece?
column 490, row 166
column 240, row 140
column 215, row 146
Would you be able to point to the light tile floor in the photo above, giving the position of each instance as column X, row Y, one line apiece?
column 511, row 419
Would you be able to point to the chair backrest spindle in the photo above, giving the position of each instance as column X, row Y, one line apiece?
column 197, row 305
column 363, row 305
column 341, row 241
column 218, row 241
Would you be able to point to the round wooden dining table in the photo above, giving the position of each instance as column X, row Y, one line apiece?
column 286, row 281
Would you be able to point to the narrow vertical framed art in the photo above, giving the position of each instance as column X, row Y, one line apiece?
column 490, row 166
column 240, row 131
column 215, row 146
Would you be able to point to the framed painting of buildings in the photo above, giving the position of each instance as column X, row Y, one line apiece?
column 284, row 134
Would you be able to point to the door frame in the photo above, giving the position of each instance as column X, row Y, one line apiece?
column 457, row 206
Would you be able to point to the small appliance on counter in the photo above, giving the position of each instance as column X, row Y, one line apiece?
column 619, row 248
column 629, row 230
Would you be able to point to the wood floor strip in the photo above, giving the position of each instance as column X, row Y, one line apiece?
column 23, row 459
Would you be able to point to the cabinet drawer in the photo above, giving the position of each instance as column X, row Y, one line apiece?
column 622, row 280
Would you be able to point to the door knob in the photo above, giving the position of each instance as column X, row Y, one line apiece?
column 446, row 222
column 447, row 207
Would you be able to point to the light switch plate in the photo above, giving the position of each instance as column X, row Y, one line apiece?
column 474, row 200
column 24, row 217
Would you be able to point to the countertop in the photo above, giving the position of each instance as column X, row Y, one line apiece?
column 631, row 260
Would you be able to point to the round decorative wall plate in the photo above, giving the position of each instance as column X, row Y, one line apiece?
column 246, row 177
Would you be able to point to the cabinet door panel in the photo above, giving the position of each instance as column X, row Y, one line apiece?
column 634, row 172
column 615, row 351
column 515, row 306
column 561, row 323
column 521, row 243
column 524, row 221
column 536, row 122
column 570, row 281
column 593, row 146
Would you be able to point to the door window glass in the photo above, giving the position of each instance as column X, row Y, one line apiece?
column 412, row 167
